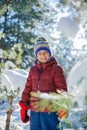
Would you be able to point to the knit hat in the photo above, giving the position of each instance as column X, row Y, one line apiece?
column 41, row 44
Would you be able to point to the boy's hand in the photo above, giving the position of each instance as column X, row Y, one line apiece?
column 23, row 112
column 63, row 114
column 24, row 116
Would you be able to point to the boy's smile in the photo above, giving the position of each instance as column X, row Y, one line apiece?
column 43, row 56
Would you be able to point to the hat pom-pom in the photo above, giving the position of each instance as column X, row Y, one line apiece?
column 39, row 39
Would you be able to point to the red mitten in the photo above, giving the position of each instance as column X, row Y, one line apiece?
column 23, row 112
column 24, row 116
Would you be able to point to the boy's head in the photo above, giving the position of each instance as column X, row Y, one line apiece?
column 41, row 44
column 42, row 49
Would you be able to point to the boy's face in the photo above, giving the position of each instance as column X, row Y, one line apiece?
column 43, row 56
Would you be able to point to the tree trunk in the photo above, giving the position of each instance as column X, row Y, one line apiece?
column 9, row 113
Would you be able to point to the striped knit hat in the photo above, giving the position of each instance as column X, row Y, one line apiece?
column 41, row 44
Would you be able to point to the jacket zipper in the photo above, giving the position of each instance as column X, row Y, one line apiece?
column 38, row 91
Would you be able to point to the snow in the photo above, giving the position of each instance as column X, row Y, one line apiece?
column 13, row 79
column 77, row 81
column 68, row 26
column 78, row 72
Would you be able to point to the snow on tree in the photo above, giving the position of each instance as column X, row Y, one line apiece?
column 13, row 79
column 68, row 26
column 77, row 82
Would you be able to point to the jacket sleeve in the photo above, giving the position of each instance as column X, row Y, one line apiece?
column 59, row 79
column 26, row 92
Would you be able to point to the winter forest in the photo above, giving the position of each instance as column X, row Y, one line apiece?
column 64, row 24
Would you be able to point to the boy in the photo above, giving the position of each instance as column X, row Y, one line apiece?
column 45, row 76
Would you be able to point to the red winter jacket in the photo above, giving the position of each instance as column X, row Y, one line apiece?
column 47, row 77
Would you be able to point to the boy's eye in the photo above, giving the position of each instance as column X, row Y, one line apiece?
column 43, row 53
